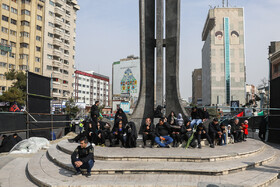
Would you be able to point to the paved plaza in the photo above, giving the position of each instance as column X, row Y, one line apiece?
column 250, row 163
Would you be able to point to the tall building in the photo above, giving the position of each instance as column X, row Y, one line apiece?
column 197, row 87
column 41, row 37
column 90, row 87
column 59, row 46
column 223, row 57
column 22, row 33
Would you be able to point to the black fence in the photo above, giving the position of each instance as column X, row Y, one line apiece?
column 44, row 125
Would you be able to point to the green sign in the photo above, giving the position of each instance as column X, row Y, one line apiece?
column 5, row 47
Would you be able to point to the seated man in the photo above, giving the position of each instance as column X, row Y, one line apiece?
column 118, row 132
column 175, row 130
column 107, row 132
column 82, row 157
column 201, row 134
column 186, row 133
column 162, row 134
column 236, row 130
column 17, row 137
column 148, row 131
column 215, row 131
column 196, row 117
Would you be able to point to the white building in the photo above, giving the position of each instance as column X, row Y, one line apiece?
column 90, row 87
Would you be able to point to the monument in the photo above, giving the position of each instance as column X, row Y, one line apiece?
column 151, row 40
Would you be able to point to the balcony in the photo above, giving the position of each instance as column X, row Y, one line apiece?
column 56, row 63
column 56, row 52
column 58, row 21
column 66, row 36
column 57, row 41
column 57, row 31
column 58, row 11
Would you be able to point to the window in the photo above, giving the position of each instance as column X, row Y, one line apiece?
column 4, row 30
column 13, row 21
column 13, row 10
column 2, row 76
column 24, row 34
column 3, row 53
column 40, row 7
column 23, row 56
column 12, row 32
column 37, row 70
column 25, row 23
column 38, row 38
column 25, row 1
column 38, row 48
column 49, row 67
column 51, row 3
column 13, row 44
column 24, row 45
column 51, row 24
column 5, row 18
column 3, row 41
column 39, row 18
column 12, row 55
column 3, row 64
column 51, row 13
column 3, row 88
column 50, row 35
column 22, row 67
column 37, row 59
column 50, row 46
column 25, row 12
column 12, row 66
column 50, row 56
column 6, row 7
column 39, row 28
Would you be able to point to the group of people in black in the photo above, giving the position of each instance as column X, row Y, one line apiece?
column 8, row 142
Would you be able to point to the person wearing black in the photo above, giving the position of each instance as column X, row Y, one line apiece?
column 201, row 134
column 120, row 115
column 8, row 142
column 215, row 131
column 82, row 157
column 205, row 114
column 107, row 132
column 196, row 117
column 89, row 133
column 17, row 137
column 224, row 133
column 171, row 119
column 148, row 131
column 162, row 133
column 98, row 131
column 236, row 130
column 95, row 112
column 186, row 133
column 118, row 132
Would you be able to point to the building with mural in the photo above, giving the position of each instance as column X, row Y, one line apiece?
column 126, row 83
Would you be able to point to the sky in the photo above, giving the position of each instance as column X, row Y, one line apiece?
column 108, row 30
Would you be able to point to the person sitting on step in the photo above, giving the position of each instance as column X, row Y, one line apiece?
column 236, row 130
column 82, row 157
column 118, row 132
column 186, row 133
column 201, row 134
column 215, row 131
column 162, row 133
column 176, row 129
column 196, row 117
column 224, row 133
column 148, row 131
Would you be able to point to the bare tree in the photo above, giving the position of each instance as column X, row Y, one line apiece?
column 264, row 82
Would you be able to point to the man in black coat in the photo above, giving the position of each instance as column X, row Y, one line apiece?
column 186, row 133
column 201, row 134
column 95, row 112
column 215, row 131
column 148, row 131
column 162, row 133
column 236, row 130
column 82, row 157
column 8, row 142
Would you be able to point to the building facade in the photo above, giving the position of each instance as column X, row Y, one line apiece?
column 197, row 87
column 90, row 87
column 22, row 33
column 223, row 57
column 59, row 46
column 41, row 34
column 126, row 82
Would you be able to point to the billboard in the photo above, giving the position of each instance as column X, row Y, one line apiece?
column 125, row 106
column 126, row 78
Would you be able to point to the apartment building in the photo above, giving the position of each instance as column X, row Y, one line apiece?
column 59, row 46
column 90, row 87
column 22, row 33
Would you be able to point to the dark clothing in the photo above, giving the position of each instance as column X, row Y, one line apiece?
column 117, row 134
column 171, row 120
column 201, row 134
column 197, row 114
column 175, row 134
column 185, row 134
column 94, row 113
column 130, row 135
column 205, row 115
column 7, row 144
column 18, row 139
column 163, row 130
column 213, row 132
column 83, row 154
column 236, row 131
column 149, row 137
column 151, row 133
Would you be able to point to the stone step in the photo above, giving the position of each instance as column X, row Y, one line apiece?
column 135, row 167
column 206, row 154
column 46, row 173
column 14, row 173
